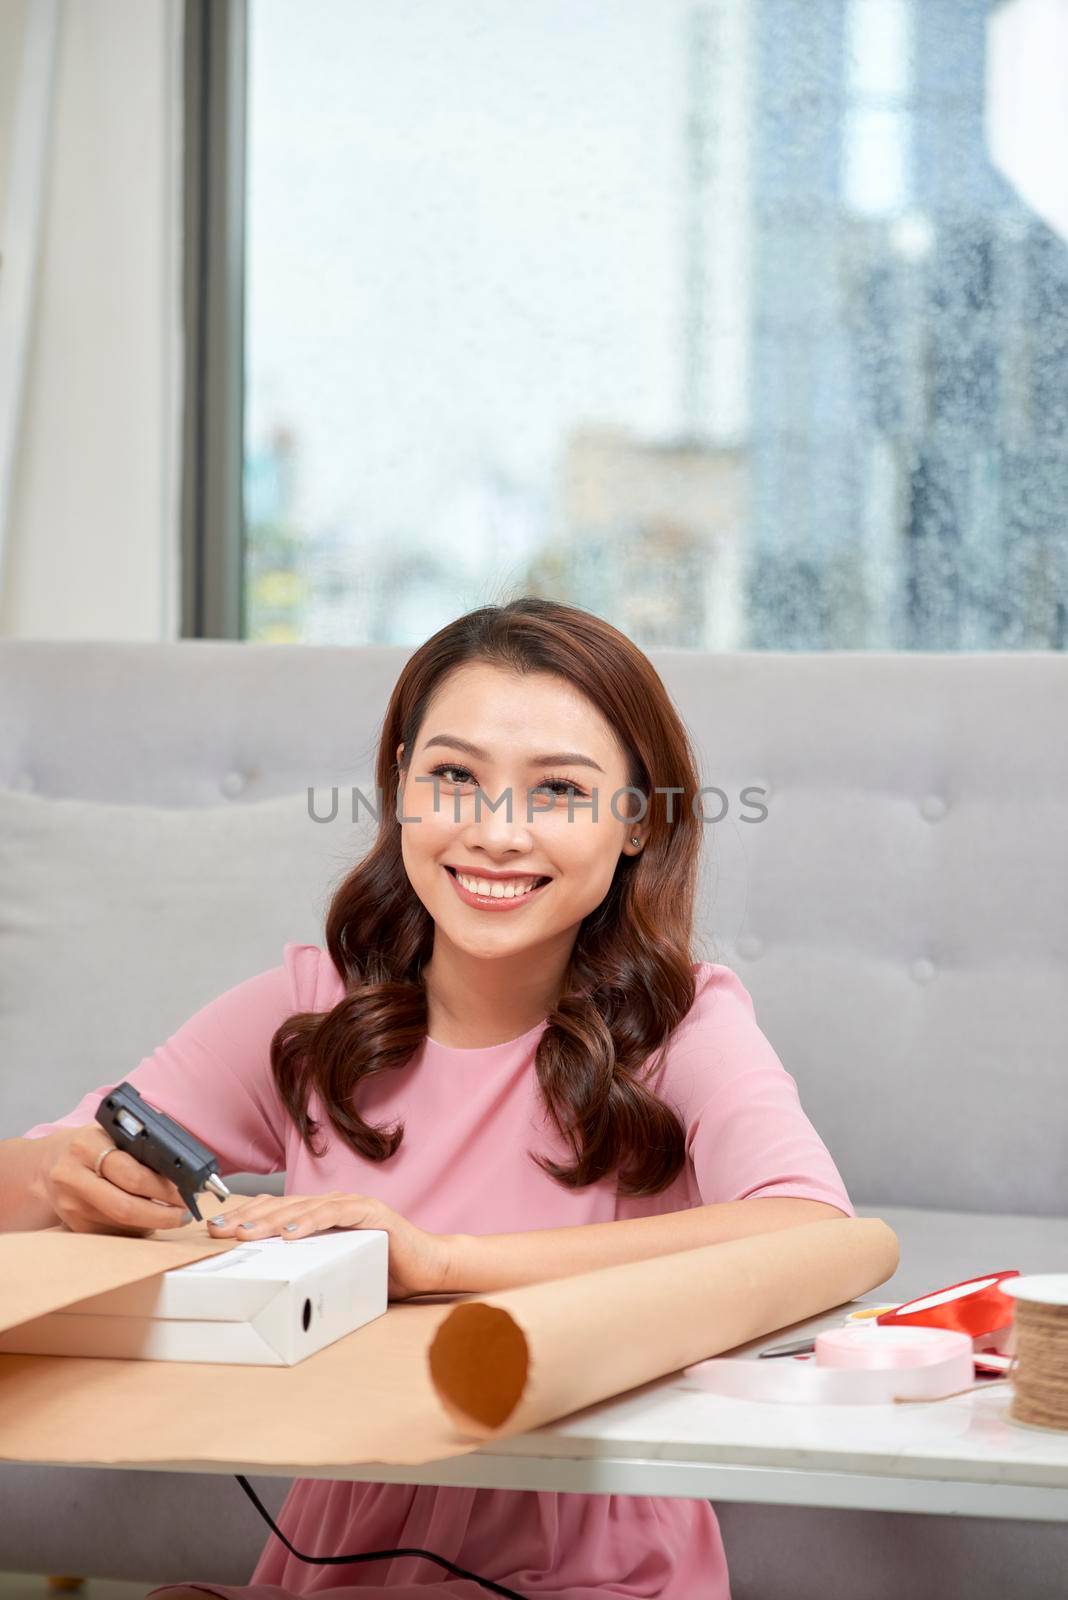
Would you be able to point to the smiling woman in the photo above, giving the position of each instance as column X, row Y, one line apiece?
column 509, row 841
column 599, row 947
column 506, row 1056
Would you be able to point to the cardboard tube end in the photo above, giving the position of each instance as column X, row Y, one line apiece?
column 479, row 1361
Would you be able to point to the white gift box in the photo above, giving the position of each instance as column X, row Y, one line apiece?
column 269, row 1302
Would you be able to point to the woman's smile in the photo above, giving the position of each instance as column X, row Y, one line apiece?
column 512, row 892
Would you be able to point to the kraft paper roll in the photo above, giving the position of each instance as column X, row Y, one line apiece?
column 428, row 1380
column 515, row 1360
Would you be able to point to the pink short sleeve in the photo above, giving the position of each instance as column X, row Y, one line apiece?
column 747, row 1134
column 214, row 1074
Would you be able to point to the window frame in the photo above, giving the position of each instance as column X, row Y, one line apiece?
column 215, row 64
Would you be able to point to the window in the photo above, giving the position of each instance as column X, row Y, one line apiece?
column 743, row 323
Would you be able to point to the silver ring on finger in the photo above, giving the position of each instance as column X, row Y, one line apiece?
column 102, row 1157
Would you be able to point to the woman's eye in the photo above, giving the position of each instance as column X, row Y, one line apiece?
column 443, row 770
column 561, row 783
column 552, row 784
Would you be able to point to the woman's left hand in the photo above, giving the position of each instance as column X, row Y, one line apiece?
column 418, row 1261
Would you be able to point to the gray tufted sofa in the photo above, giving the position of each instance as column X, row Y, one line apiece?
column 900, row 917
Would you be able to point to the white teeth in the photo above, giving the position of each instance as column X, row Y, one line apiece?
column 496, row 890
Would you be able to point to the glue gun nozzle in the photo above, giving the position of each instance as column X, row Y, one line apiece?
column 216, row 1185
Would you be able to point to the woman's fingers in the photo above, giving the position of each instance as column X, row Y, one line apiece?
column 93, row 1202
column 292, row 1217
column 316, row 1218
column 122, row 1171
column 87, row 1201
column 230, row 1219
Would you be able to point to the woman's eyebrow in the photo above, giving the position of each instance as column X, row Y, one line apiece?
column 559, row 757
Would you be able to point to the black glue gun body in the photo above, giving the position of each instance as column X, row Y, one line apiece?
column 162, row 1144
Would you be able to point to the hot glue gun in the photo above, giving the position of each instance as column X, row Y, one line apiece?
column 162, row 1144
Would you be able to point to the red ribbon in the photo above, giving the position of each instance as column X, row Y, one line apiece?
column 976, row 1313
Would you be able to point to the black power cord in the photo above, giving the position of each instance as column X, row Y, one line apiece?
column 370, row 1555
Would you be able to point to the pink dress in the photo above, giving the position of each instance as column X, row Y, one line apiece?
column 469, row 1117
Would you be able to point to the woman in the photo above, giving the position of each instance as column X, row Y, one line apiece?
column 504, row 1056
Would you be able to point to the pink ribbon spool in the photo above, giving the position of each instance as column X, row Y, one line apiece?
column 852, row 1366
column 877, row 1349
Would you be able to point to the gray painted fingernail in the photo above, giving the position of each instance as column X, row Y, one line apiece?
column 217, row 1221
column 290, row 1227
column 246, row 1224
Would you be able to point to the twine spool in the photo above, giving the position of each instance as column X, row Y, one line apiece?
column 1039, row 1370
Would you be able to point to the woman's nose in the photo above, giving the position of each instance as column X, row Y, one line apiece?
column 503, row 828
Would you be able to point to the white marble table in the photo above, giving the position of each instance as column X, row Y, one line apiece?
column 960, row 1456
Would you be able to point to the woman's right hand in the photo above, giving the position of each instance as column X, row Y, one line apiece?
column 125, row 1197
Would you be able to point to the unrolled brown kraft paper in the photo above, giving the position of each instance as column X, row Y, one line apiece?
column 431, row 1378
column 52, row 1267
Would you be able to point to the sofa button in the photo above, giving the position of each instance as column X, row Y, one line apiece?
column 232, row 784
column 933, row 807
column 750, row 945
column 922, row 969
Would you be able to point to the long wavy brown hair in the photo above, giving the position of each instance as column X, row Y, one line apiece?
column 630, row 980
